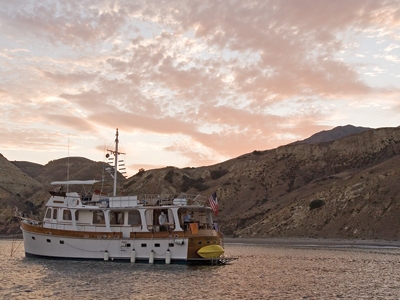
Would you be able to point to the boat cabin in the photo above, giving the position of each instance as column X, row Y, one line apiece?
column 93, row 212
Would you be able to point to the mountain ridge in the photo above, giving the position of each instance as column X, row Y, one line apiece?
column 329, row 189
column 332, row 134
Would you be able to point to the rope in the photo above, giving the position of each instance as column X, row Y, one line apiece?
column 13, row 250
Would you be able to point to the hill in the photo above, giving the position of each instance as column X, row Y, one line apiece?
column 346, row 188
column 15, row 188
column 25, row 185
column 29, row 168
column 342, row 188
column 333, row 134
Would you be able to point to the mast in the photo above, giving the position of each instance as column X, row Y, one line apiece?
column 115, row 153
column 115, row 163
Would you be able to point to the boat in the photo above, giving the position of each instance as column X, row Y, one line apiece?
column 83, row 221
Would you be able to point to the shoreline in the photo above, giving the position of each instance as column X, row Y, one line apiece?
column 314, row 242
column 11, row 236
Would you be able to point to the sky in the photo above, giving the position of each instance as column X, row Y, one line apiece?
column 191, row 83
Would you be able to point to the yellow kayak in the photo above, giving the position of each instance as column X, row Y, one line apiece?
column 211, row 251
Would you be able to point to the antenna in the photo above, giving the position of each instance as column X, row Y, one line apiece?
column 68, row 165
column 115, row 163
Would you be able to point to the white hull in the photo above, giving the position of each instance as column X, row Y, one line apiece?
column 119, row 249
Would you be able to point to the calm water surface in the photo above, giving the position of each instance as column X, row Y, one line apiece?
column 261, row 272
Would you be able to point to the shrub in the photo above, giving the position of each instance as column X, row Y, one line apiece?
column 316, row 204
column 141, row 172
column 215, row 174
column 169, row 176
column 195, row 183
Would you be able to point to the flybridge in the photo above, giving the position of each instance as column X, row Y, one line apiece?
column 76, row 182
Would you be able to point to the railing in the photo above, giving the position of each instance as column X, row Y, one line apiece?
column 147, row 200
column 29, row 219
column 166, row 199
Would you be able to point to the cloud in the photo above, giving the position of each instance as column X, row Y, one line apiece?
column 391, row 47
column 73, row 122
column 32, row 139
column 71, row 24
column 70, row 78
column 219, row 78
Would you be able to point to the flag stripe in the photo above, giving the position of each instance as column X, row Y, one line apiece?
column 214, row 203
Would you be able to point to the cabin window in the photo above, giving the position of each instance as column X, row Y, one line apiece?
column 116, row 218
column 134, row 218
column 48, row 213
column 149, row 218
column 55, row 213
column 182, row 212
column 200, row 216
column 67, row 215
column 98, row 217
column 76, row 215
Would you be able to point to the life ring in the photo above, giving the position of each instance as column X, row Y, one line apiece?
column 74, row 202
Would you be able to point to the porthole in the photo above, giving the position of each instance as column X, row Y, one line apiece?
column 157, row 245
column 144, row 245
column 62, row 242
column 171, row 245
column 48, row 240
column 33, row 238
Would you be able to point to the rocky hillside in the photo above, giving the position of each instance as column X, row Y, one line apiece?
column 15, row 188
column 14, row 182
column 25, row 185
column 342, row 189
column 345, row 188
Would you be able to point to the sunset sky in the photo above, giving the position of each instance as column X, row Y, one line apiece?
column 191, row 83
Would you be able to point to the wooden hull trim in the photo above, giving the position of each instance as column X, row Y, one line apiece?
column 117, row 235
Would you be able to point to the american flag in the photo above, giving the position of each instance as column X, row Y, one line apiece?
column 214, row 203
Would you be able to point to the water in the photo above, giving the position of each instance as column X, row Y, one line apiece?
column 261, row 272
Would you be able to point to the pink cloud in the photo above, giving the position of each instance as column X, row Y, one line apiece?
column 74, row 122
column 68, row 23
column 70, row 78
column 31, row 139
column 231, row 77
